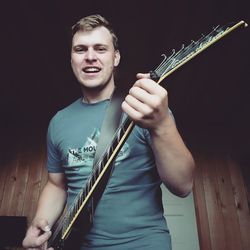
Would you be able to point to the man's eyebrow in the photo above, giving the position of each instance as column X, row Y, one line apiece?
column 79, row 45
column 95, row 45
column 101, row 44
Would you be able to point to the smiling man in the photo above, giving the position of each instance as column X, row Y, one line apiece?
column 130, row 212
column 93, row 58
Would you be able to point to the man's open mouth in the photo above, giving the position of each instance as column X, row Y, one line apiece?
column 91, row 69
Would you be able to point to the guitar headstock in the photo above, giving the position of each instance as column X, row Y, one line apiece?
column 171, row 63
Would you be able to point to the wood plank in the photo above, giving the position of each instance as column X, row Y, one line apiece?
column 21, row 183
column 9, row 188
column 212, row 196
column 44, row 169
column 227, row 204
column 246, row 177
column 3, row 176
column 33, row 186
column 240, row 199
column 201, row 209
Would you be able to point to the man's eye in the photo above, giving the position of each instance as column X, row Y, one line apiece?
column 101, row 49
column 78, row 49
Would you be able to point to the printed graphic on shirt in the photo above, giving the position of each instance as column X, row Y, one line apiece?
column 84, row 156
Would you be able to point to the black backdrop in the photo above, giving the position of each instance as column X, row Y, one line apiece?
column 209, row 96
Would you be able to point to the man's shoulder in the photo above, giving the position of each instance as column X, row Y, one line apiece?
column 71, row 106
column 66, row 111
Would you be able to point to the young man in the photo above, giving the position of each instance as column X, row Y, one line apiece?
column 129, row 214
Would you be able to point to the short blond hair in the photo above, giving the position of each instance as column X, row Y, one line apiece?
column 91, row 22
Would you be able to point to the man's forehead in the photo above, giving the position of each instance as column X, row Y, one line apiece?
column 96, row 35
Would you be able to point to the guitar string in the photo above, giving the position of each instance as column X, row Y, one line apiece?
column 169, row 63
column 186, row 50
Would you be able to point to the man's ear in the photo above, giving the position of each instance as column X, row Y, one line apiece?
column 117, row 58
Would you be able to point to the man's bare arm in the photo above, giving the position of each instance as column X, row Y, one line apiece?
column 50, row 206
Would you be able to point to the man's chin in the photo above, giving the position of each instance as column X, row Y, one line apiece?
column 93, row 86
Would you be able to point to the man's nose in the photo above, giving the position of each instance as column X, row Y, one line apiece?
column 90, row 55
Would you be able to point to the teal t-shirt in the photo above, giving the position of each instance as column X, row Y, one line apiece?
column 130, row 212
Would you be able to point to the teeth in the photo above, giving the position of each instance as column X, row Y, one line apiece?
column 90, row 70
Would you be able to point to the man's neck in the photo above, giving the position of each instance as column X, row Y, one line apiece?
column 97, row 95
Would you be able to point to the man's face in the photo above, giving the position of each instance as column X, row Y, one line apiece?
column 93, row 58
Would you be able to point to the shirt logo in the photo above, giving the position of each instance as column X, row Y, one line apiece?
column 84, row 156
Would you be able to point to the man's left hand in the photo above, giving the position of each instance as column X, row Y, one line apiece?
column 147, row 103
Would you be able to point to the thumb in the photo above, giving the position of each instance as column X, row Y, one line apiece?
column 44, row 225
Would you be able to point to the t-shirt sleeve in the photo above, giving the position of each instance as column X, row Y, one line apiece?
column 54, row 163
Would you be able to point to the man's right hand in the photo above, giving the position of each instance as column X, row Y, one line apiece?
column 37, row 235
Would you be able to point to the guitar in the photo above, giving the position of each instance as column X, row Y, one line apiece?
column 62, row 231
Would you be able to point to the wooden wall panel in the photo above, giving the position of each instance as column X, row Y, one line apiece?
column 9, row 187
column 221, row 204
column 220, row 195
column 227, row 205
column 33, row 185
column 22, row 179
column 215, row 219
column 22, row 171
column 44, row 176
column 241, row 203
column 3, row 176
column 201, row 209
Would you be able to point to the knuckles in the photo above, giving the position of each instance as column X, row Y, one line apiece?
column 156, row 104
column 134, row 90
column 138, row 117
column 144, row 82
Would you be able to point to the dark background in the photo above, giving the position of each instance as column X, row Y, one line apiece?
column 209, row 96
